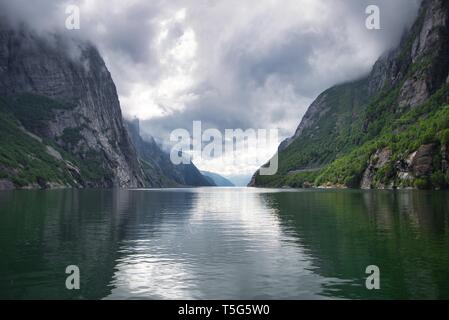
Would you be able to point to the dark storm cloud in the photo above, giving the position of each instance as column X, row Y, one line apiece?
column 347, row 48
column 285, row 58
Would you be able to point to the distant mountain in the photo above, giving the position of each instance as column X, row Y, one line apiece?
column 387, row 130
column 217, row 179
column 157, row 165
column 240, row 180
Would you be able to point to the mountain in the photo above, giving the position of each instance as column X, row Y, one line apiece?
column 217, row 179
column 389, row 129
column 240, row 180
column 61, row 123
column 157, row 165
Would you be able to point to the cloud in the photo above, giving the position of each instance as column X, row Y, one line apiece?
column 231, row 64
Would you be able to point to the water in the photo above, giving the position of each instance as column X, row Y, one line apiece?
column 224, row 244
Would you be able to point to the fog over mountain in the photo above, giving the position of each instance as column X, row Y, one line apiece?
column 230, row 64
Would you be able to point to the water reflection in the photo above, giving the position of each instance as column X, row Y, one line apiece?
column 227, row 244
column 405, row 233
column 224, row 243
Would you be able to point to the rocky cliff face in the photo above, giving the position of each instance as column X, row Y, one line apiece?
column 358, row 134
column 84, row 122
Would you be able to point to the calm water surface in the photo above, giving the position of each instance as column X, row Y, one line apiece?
column 224, row 244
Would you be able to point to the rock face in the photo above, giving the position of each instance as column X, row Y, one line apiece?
column 414, row 92
column 318, row 109
column 384, row 173
column 422, row 161
column 433, row 29
column 445, row 157
column 89, row 126
column 406, row 82
column 6, row 185
column 377, row 161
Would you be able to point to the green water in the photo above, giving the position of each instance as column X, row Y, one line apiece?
column 224, row 244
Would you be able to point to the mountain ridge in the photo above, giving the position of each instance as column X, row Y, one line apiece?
column 60, row 90
column 363, row 116
column 218, row 179
column 61, row 123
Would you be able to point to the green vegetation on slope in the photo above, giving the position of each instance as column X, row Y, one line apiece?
column 34, row 111
column 23, row 159
column 346, row 120
column 417, row 128
column 428, row 123
column 354, row 121
column 335, row 134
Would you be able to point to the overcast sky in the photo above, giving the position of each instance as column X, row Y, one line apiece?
column 229, row 63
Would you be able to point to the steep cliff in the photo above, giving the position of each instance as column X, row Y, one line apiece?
column 60, row 116
column 387, row 130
